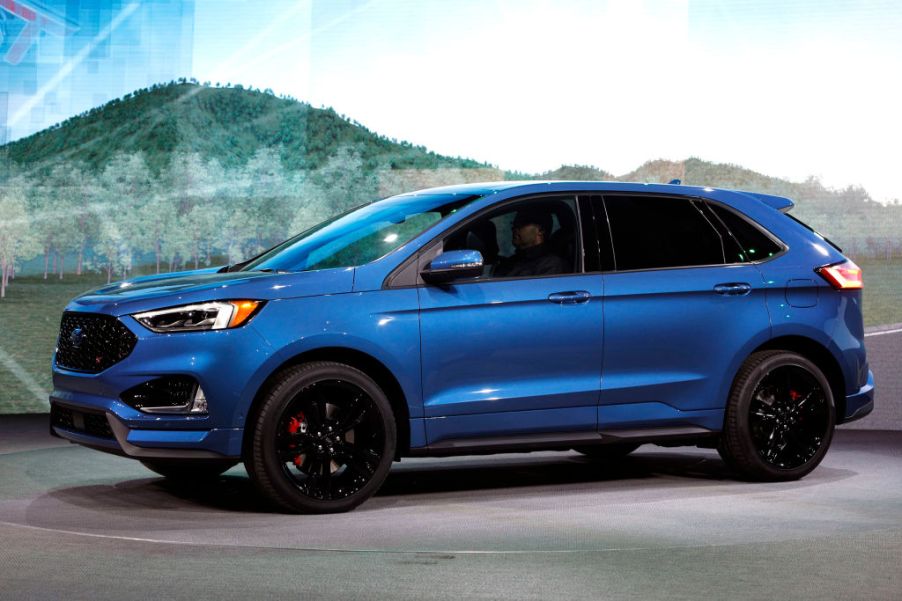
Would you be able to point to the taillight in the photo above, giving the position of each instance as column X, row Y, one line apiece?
column 842, row 276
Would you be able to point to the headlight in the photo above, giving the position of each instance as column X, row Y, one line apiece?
column 218, row 315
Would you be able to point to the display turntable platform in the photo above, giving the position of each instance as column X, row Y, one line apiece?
column 662, row 523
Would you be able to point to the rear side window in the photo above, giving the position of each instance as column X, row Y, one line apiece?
column 754, row 245
column 651, row 232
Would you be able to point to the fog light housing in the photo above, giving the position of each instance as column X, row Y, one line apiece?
column 169, row 394
column 199, row 405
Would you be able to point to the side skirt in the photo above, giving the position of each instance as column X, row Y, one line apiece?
column 668, row 436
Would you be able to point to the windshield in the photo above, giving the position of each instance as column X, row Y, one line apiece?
column 362, row 235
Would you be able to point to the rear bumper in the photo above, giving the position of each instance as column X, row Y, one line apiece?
column 860, row 403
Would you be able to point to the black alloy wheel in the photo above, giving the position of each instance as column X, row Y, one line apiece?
column 780, row 417
column 324, row 439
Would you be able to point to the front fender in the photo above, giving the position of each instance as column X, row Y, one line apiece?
column 383, row 324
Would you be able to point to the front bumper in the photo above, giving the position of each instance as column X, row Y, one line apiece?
column 224, row 363
column 104, row 431
column 860, row 403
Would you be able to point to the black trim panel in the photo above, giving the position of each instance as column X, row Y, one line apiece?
column 561, row 441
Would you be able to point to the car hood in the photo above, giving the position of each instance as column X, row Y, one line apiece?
column 155, row 292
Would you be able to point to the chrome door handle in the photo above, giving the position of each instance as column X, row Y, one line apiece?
column 733, row 289
column 572, row 297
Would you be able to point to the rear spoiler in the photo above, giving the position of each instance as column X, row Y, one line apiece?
column 781, row 203
column 784, row 205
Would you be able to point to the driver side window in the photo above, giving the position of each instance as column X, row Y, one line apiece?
column 532, row 238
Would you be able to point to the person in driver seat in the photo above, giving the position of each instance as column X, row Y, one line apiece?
column 529, row 232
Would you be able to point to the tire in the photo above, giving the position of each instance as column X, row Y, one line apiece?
column 607, row 451
column 323, row 440
column 188, row 470
column 779, row 419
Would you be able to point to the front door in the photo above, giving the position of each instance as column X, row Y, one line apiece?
column 516, row 352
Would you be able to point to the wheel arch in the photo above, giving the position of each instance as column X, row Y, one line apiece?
column 821, row 356
column 366, row 363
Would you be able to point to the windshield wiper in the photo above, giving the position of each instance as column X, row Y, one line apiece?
column 271, row 270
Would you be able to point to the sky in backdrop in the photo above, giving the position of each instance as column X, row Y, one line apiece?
column 790, row 88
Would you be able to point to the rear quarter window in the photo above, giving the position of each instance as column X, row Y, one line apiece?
column 754, row 244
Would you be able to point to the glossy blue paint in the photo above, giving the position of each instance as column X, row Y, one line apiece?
column 554, row 355
column 655, row 414
column 804, row 304
column 502, row 348
column 646, row 311
column 861, row 402
column 221, row 361
column 441, row 430
column 383, row 325
column 456, row 259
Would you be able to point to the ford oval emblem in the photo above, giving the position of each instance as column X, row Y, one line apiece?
column 77, row 337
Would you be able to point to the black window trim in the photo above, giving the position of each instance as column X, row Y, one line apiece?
column 721, row 226
column 700, row 207
column 584, row 197
column 598, row 218
column 588, row 222
column 439, row 238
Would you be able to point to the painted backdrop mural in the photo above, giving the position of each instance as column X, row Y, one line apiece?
column 154, row 136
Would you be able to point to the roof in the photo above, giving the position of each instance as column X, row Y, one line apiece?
column 531, row 186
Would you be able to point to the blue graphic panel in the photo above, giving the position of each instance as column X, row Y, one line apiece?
column 62, row 57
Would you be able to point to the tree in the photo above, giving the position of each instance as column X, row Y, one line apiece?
column 265, row 190
column 344, row 181
column 44, row 214
column 74, row 221
column 113, row 246
column 313, row 207
column 200, row 225
column 193, row 189
column 157, row 219
column 126, row 187
column 14, row 231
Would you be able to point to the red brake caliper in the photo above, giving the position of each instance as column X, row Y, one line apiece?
column 795, row 396
column 295, row 425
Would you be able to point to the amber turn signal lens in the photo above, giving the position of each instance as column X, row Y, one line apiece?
column 244, row 310
column 842, row 276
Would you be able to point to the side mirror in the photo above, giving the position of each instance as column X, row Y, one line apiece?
column 453, row 265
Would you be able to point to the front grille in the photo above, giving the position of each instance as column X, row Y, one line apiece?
column 85, row 422
column 91, row 343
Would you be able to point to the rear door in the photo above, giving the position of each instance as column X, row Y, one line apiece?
column 680, row 309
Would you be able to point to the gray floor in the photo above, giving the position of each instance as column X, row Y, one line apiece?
column 661, row 524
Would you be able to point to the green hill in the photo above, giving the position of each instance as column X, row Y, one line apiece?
column 226, row 124
column 329, row 163
column 180, row 176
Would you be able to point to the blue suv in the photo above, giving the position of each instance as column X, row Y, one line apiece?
column 484, row 318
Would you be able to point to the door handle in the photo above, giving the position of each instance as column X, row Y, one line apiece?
column 572, row 297
column 733, row 289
